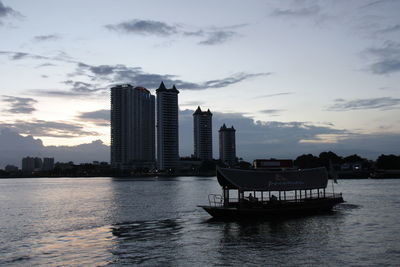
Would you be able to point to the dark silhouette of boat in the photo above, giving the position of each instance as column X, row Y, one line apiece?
column 263, row 193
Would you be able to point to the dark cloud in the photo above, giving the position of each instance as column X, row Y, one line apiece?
column 76, row 89
column 23, row 55
column 48, row 128
column 273, row 112
column 383, row 103
column 60, row 56
column 386, row 66
column 217, row 37
column 256, row 139
column 297, row 12
column 13, row 147
column 195, row 33
column 145, row 27
column 6, row 11
column 388, row 50
column 46, row 65
column 82, row 87
column 390, row 29
column 212, row 35
column 387, row 58
column 12, row 140
column 49, row 37
column 236, row 78
column 112, row 74
column 19, row 105
column 98, row 117
column 378, row 2
column 123, row 74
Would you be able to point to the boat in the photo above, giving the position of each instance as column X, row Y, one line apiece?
column 271, row 193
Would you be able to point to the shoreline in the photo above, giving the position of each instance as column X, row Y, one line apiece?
column 342, row 175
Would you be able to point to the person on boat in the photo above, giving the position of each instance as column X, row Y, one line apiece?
column 251, row 198
column 273, row 198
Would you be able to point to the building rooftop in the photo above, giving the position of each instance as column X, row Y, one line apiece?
column 224, row 128
column 140, row 88
column 162, row 88
column 200, row 112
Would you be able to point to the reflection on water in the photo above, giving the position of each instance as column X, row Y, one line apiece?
column 150, row 242
column 81, row 247
column 155, row 222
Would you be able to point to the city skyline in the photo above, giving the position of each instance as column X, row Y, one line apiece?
column 293, row 77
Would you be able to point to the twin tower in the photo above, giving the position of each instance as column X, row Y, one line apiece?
column 133, row 127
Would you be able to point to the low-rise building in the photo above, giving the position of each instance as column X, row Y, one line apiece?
column 11, row 168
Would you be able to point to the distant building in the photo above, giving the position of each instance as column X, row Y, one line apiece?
column 227, row 145
column 202, row 130
column 132, row 127
column 167, row 128
column 28, row 164
column 11, row 168
column 48, row 164
column 38, row 164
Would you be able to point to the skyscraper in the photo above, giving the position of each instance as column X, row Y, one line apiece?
column 227, row 145
column 132, row 127
column 167, row 128
column 202, row 130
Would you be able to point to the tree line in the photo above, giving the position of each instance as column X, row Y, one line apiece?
column 326, row 159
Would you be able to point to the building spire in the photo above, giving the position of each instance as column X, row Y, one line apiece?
column 174, row 89
column 198, row 111
column 161, row 87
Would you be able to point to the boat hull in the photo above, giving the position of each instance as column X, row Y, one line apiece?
column 274, row 210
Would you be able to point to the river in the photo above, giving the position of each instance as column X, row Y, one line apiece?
column 156, row 222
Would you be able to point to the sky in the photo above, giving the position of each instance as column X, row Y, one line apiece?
column 292, row 77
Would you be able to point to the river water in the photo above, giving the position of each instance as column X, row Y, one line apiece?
column 156, row 222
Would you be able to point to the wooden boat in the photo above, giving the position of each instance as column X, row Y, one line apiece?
column 264, row 193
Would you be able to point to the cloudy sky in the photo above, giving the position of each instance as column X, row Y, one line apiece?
column 291, row 76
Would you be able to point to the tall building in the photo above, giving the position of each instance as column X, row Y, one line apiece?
column 48, row 164
column 132, row 127
column 167, row 128
column 227, row 145
column 28, row 164
column 38, row 163
column 202, row 130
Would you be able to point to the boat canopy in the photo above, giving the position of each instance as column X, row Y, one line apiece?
column 268, row 180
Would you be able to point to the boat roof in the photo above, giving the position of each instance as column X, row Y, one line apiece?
column 267, row 180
